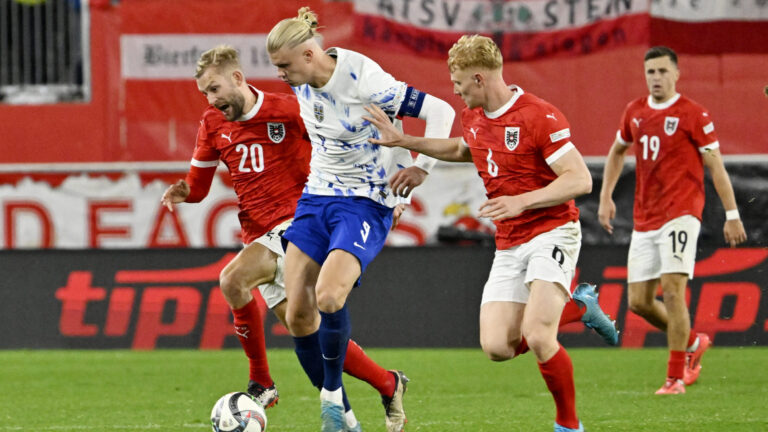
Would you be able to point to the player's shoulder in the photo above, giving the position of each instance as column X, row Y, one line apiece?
column 279, row 105
column 468, row 114
column 691, row 106
column 344, row 55
column 212, row 118
column 535, row 109
column 637, row 104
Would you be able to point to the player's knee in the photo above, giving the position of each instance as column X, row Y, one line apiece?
column 231, row 285
column 300, row 323
column 328, row 301
column 640, row 306
column 539, row 339
column 496, row 351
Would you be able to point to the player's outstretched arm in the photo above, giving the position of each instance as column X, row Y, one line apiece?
column 447, row 149
column 733, row 230
column 614, row 163
column 176, row 193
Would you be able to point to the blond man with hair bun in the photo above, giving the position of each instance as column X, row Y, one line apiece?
column 261, row 139
column 521, row 147
column 353, row 191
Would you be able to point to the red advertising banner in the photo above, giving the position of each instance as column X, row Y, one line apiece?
column 158, row 299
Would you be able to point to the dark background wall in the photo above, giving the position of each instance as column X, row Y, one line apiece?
column 409, row 297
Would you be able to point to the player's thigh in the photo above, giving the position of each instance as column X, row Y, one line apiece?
column 642, row 293
column 301, row 272
column 545, row 305
column 500, row 326
column 676, row 243
column 503, row 301
column 280, row 310
column 253, row 265
column 337, row 277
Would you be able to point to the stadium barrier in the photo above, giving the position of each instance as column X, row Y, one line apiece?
column 409, row 297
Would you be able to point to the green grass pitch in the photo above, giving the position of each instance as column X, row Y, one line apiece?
column 450, row 390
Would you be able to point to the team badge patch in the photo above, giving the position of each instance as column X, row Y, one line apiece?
column 319, row 115
column 276, row 132
column 670, row 125
column 511, row 137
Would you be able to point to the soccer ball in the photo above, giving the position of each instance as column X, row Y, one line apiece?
column 238, row 412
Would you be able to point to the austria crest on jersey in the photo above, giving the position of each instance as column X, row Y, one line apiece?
column 511, row 137
column 276, row 132
column 670, row 125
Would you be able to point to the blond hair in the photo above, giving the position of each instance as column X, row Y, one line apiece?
column 222, row 57
column 474, row 51
column 291, row 32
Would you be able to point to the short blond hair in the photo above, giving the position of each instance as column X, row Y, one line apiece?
column 291, row 32
column 474, row 51
column 221, row 57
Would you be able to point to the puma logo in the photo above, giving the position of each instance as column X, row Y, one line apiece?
column 552, row 116
column 636, row 121
column 474, row 133
column 242, row 331
column 227, row 137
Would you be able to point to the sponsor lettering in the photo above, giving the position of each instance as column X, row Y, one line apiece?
column 156, row 304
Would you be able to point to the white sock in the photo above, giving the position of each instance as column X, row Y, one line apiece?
column 350, row 418
column 335, row 396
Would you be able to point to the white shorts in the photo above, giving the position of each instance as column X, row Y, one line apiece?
column 274, row 292
column 669, row 249
column 550, row 256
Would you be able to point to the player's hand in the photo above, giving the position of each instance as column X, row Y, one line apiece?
column 175, row 193
column 502, row 207
column 403, row 182
column 390, row 136
column 605, row 214
column 734, row 233
column 396, row 213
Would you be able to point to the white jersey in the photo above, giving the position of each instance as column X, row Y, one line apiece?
column 343, row 162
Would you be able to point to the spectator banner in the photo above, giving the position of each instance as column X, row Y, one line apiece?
column 409, row 297
column 523, row 30
column 532, row 29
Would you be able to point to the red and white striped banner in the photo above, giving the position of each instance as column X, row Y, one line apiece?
column 533, row 29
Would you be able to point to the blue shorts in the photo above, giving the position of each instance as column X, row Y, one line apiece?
column 357, row 225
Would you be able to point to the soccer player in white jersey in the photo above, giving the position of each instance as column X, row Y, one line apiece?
column 532, row 172
column 345, row 213
column 674, row 138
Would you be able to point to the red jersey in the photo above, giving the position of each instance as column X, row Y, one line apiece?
column 669, row 139
column 513, row 149
column 267, row 153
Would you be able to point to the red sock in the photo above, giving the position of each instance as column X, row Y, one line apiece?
column 691, row 338
column 676, row 364
column 522, row 348
column 362, row 367
column 572, row 313
column 558, row 374
column 249, row 327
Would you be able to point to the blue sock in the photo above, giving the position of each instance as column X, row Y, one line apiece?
column 311, row 360
column 334, row 335
column 308, row 351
